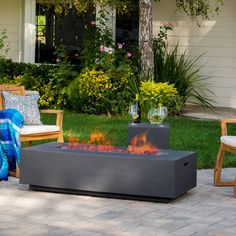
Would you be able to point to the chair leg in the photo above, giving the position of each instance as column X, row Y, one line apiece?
column 60, row 138
column 17, row 171
column 218, row 166
column 218, row 169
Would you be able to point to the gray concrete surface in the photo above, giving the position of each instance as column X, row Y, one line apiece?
column 216, row 114
column 204, row 211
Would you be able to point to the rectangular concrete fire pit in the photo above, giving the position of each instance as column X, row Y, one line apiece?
column 163, row 176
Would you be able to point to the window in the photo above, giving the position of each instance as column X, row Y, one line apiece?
column 127, row 25
column 54, row 30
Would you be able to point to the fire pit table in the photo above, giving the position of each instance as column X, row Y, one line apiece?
column 160, row 177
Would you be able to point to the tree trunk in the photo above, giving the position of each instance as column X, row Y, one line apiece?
column 146, row 38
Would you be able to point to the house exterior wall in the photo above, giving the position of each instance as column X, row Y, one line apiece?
column 10, row 19
column 29, row 33
column 216, row 38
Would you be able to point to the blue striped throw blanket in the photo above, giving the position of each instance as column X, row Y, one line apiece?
column 11, row 122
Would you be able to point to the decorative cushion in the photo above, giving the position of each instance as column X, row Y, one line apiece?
column 228, row 140
column 19, row 90
column 26, row 105
column 35, row 129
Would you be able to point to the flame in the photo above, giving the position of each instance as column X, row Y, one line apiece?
column 98, row 142
column 73, row 140
column 98, row 137
column 139, row 145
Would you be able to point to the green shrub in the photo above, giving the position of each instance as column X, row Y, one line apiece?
column 118, row 62
column 90, row 92
column 177, row 105
column 45, row 89
column 10, row 69
column 51, row 81
column 99, row 92
column 121, row 95
column 60, row 78
column 157, row 94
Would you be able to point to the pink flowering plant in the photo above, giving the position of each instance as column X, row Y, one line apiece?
column 115, row 60
column 112, row 56
column 100, row 51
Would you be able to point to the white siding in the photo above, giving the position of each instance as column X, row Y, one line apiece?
column 10, row 20
column 216, row 38
column 29, row 31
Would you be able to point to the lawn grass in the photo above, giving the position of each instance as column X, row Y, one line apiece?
column 201, row 136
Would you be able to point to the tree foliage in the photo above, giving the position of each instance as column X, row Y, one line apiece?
column 200, row 8
column 83, row 6
column 195, row 9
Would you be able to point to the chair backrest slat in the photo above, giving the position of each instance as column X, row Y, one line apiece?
column 18, row 90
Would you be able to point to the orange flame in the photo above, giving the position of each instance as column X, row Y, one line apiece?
column 73, row 140
column 98, row 142
column 139, row 145
column 98, row 137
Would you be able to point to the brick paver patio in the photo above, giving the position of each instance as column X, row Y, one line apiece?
column 206, row 210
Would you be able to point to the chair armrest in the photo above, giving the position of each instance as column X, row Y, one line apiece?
column 58, row 113
column 223, row 125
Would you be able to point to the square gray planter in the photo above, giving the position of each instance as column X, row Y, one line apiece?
column 158, row 135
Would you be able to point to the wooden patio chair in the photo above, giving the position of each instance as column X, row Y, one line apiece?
column 227, row 144
column 31, row 133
